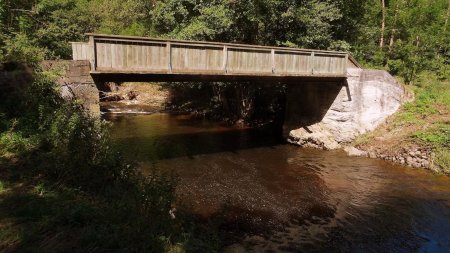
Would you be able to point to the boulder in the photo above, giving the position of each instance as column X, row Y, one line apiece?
column 352, row 151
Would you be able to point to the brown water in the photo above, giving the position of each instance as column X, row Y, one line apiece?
column 280, row 198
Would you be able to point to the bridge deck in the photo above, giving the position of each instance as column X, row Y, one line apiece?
column 175, row 59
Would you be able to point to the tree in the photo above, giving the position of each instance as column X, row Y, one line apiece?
column 383, row 22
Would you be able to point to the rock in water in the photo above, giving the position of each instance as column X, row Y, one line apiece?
column 352, row 151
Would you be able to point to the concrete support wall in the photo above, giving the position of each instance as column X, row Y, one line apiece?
column 326, row 115
column 77, row 83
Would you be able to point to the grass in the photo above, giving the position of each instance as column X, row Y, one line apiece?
column 37, row 216
column 39, row 211
column 423, row 122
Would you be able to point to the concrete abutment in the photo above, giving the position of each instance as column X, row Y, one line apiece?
column 77, row 83
column 329, row 115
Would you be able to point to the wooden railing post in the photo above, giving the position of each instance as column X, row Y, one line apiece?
column 273, row 60
column 93, row 53
column 345, row 65
column 225, row 59
column 169, row 56
column 312, row 63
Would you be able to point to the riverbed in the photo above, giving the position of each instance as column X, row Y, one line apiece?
column 280, row 198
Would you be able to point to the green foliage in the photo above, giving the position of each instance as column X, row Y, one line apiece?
column 58, row 142
column 16, row 143
column 416, row 38
column 442, row 159
column 438, row 135
column 2, row 186
column 20, row 48
column 432, row 99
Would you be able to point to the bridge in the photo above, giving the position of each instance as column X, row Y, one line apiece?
column 329, row 98
column 125, row 58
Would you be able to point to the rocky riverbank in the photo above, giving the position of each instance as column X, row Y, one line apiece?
column 418, row 135
column 377, row 117
column 416, row 157
column 133, row 98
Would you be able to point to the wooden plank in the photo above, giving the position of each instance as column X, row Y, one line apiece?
column 144, row 57
column 344, row 64
column 169, row 56
column 128, row 57
column 114, row 55
column 94, row 53
column 195, row 58
column 202, row 43
column 225, row 59
column 273, row 60
column 74, row 51
column 82, row 51
column 108, row 55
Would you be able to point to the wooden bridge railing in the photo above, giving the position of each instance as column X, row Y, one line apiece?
column 120, row 54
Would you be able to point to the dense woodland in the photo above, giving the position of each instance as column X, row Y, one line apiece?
column 404, row 36
column 67, row 187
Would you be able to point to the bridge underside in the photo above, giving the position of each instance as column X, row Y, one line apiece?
column 146, row 77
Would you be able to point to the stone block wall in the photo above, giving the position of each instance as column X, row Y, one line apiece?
column 77, row 83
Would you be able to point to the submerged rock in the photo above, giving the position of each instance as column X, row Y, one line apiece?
column 352, row 151
column 314, row 136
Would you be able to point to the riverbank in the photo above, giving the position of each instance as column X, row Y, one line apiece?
column 135, row 98
column 418, row 135
column 222, row 102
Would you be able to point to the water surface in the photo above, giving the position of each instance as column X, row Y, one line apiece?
column 280, row 198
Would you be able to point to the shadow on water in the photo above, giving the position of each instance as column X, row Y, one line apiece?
column 160, row 136
column 279, row 198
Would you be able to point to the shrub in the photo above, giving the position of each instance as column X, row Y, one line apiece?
column 16, row 143
column 442, row 159
column 72, row 150
column 21, row 49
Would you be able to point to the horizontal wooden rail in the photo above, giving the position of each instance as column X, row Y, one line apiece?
column 121, row 54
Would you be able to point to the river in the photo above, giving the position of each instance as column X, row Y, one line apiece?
column 281, row 198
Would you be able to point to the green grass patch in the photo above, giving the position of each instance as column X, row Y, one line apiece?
column 2, row 186
column 442, row 159
column 430, row 99
column 17, row 143
column 430, row 111
column 438, row 135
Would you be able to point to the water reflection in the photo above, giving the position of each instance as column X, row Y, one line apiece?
column 280, row 198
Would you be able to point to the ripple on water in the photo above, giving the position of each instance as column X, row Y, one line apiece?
column 279, row 198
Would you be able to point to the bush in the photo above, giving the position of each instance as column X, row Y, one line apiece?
column 438, row 135
column 58, row 142
column 21, row 49
column 442, row 159
column 16, row 143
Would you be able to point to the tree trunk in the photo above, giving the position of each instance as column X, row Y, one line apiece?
column 394, row 26
column 383, row 22
column 446, row 18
